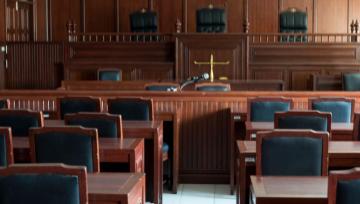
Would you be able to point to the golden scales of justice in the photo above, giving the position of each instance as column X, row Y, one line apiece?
column 212, row 63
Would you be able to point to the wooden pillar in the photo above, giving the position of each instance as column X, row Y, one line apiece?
column 246, row 16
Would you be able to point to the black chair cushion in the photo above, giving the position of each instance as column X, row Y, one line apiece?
column 213, row 88
column 3, row 151
column 3, row 104
column 143, row 21
column 161, row 88
column 263, row 111
column 19, row 124
column 211, row 20
column 351, row 82
column 106, row 128
column 109, row 75
column 348, row 192
column 76, row 106
column 289, row 156
column 39, row 189
column 130, row 110
column 303, row 122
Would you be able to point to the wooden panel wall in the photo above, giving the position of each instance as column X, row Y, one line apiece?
column 40, row 66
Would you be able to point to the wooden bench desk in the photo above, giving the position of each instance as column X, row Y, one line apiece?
column 116, row 188
column 342, row 154
column 288, row 190
column 151, row 131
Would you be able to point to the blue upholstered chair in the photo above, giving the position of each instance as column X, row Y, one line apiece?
column 71, row 145
column 107, row 125
column 211, row 20
column 344, row 186
column 292, row 153
column 20, row 121
column 351, row 82
column 6, row 148
column 131, row 108
column 341, row 109
column 161, row 87
column 50, row 184
column 213, row 87
column 293, row 21
column 68, row 105
column 313, row 120
column 109, row 74
column 4, row 103
column 263, row 109
column 143, row 21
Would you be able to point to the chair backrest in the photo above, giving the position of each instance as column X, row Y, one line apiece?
column 292, row 153
column 341, row 109
column 293, row 21
column 263, row 109
column 6, row 147
column 143, row 21
column 66, row 105
column 321, row 82
column 211, row 20
column 20, row 121
column 71, row 145
column 109, row 74
column 351, row 82
column 356, row 132
column 55, row 184
column 221, row 87
column 344, row 186
column 161, row 87
column 4, row 103
column 107, row 125
column 313, row 120
column 132, row 108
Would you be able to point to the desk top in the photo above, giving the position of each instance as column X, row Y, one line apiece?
column 289, row 187
column 270, row 126
column 112, row 184
column 337, row 149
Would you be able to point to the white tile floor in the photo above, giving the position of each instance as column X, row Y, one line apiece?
column 200, row 194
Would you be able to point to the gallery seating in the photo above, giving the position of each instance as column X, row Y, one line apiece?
column 344, row 186
column 132, row 108
column 6, row 147
column 293, row 21
column 262, row 109
column 21, row 121
column 341, row 109
column 211, row 20
column 351, row 82
column 109, row 74
column 66, row 105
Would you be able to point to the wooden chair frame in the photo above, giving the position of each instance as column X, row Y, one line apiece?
column 6, row 132
column 162, row 84
column 352, row 101
column 38, row 115
column 110, row 70
column 324, row 136
column 78, row 171
column 204, row 84
column 313, row 113
column 267, row 99
column 58, row 103
column 92, row 132
column 356, row 126
column 103, row 116
column 335, row 176
column 127, row 99
column 7, row 103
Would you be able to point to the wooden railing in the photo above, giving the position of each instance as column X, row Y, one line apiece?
column 120, row 37
column 304, row 38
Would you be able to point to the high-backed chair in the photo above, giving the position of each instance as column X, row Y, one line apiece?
column 107, row 125
column 351, row 82
column 4, row 103
column 341, row 109
column 162, row 87
column 20, row 121
column 143, row 21
column 66, row 105
column 109, row 74
column 344, row 186
column 313, row 120
column 263, row 109
column 71, row 145
column 221, row 87
column 292, row 153
column 6, row 147
column 51, row 184
column 293, row 21
column 211, row 20
column 132, row 108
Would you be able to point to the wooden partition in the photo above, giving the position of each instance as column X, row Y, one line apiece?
column 204, row 148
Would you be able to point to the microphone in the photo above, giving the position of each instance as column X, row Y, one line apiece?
column 194, row 79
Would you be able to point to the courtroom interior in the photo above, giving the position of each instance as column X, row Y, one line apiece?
column 179, row 101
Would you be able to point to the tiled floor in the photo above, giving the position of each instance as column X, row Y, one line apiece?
column 200, row 194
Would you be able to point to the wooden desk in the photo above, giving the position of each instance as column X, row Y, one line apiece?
column 116, row 188
column 286, row 190
column 342, row 154
column 339, row 131
column 151, row 131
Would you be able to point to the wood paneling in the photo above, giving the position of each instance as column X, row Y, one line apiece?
column 101, row 17
column 126, row 7
column 332, row 16
column 40, row 66
column 2, row 21
column 263, row 16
